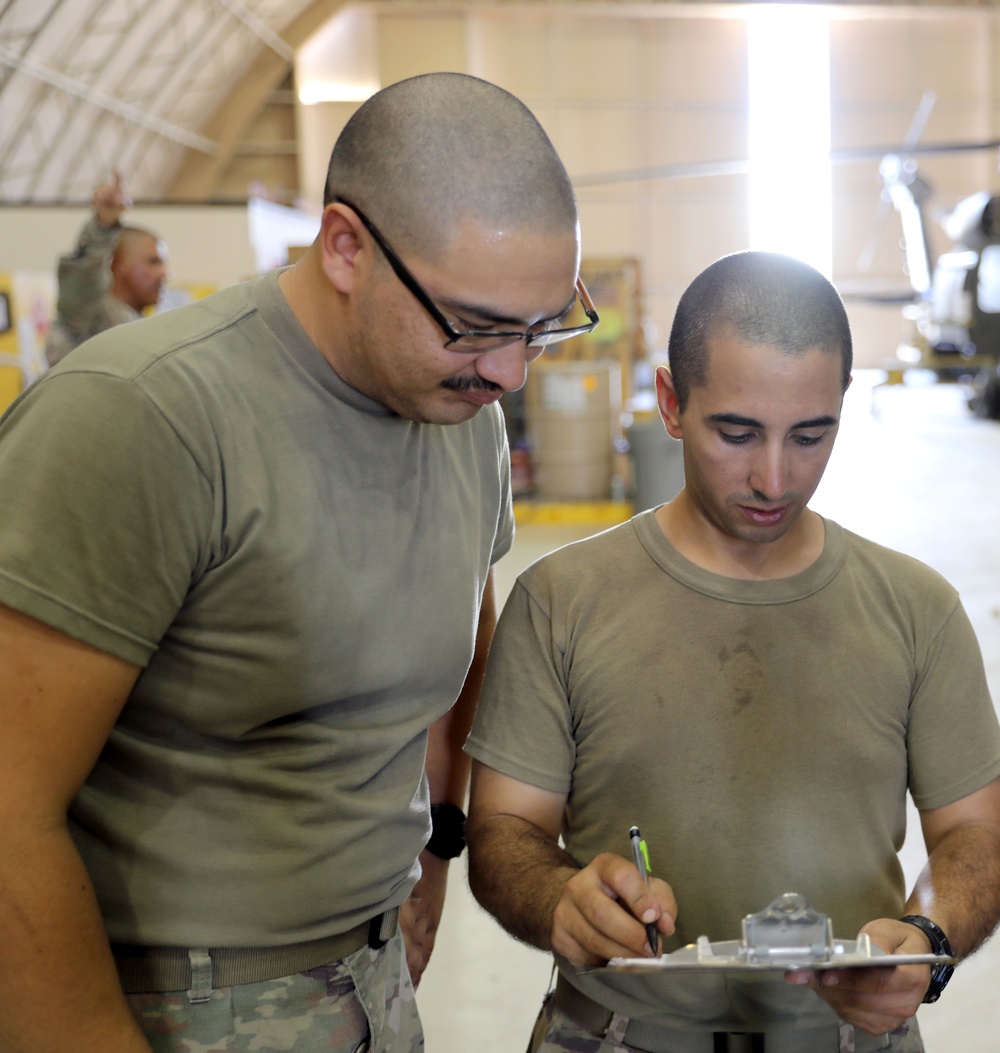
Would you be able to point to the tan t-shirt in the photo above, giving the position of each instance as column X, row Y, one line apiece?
column 298, row 570
column 763, row 735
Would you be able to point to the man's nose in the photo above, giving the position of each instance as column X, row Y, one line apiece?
column 769, row 474
column 507, row 365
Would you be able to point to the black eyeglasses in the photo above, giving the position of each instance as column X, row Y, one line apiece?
column 477, row 340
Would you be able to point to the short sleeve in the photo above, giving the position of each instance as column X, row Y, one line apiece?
column 953, row 738
column 106, row 512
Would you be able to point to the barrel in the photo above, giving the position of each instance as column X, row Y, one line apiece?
column 572, row 414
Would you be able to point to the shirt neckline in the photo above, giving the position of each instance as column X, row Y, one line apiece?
column 739, row 590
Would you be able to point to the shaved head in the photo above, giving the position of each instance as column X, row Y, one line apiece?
column 138, row 268
column 765, row 298
column 132, row 240
column 422, row 155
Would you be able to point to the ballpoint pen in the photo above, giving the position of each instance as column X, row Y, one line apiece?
column 640, row 853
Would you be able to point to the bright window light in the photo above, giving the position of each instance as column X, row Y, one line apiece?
column 790, row 185
column 339, row 62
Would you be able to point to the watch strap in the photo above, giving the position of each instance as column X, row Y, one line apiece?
column 447, row 831
column 941, row 973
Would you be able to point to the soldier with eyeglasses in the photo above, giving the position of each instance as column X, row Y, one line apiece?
column 245, row 574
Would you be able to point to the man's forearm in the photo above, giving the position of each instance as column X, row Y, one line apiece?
column 959, row 888
column 85, row 275
column 58, row 985
column 518, row 873
column 447, row 764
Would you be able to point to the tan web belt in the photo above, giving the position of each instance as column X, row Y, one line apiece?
column 155, row 969
column 651, row 1038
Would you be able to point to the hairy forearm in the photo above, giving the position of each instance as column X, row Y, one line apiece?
column 518, row 873
column 58, row 985
column 959, row 887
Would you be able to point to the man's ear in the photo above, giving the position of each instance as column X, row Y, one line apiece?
column 666, row 400
column 339, row 245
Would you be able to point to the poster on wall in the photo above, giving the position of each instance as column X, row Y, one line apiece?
column 27, row 306
column 615, row 287
column 33, row 304
column 11, row 380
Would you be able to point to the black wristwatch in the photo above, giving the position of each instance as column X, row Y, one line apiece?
column 940, row 974
column 447, row 831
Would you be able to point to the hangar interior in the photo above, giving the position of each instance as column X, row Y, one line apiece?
column 221, row 115
column 206, row 108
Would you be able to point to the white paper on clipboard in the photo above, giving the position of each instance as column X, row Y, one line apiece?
column 725, row 956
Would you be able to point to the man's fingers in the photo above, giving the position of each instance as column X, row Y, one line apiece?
column 875, row 1000
column 595, row 918
column 598, row 926
column 647, row 904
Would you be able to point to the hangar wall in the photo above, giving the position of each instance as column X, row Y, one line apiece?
column 665, row 85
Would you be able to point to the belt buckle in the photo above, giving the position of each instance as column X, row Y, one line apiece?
column 382, row 928
column 739, row 1042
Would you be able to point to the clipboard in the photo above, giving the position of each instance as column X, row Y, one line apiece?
column 787, row 934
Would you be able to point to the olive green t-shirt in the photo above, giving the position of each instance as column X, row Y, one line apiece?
column 763, row 736
column 299, row 572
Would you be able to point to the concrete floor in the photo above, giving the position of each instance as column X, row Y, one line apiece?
column 912, row 470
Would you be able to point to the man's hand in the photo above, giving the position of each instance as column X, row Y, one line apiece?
column 420, row 915
column 542, row 895
column 110, row 201
column 875, row 1000
column 603, row 911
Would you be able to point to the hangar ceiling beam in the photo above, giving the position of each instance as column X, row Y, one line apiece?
column 260, row 29
column 199, row 175
column 101, row 99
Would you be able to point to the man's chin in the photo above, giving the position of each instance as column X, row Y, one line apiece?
column 447, row 410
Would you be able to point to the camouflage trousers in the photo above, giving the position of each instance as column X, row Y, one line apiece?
column 362, row 1004
column 555, row 1032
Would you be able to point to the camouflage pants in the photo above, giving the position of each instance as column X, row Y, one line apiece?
column 555, row 1032
column 362, row 1004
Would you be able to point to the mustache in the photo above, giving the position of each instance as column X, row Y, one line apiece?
column 474, row 383
column 753, row 499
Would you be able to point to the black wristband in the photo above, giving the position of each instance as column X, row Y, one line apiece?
column 940, row 974
column 447, row 831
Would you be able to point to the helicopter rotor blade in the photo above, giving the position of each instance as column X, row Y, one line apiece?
column 919, row 122
column 869, row 153
column 867, row 254
column 884, row 207
column 742, row 165
column 678, row 171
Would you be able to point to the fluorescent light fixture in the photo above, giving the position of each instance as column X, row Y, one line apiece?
column 314, row 91
column 790, row 181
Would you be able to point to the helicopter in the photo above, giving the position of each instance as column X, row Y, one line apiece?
column 955, row 310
